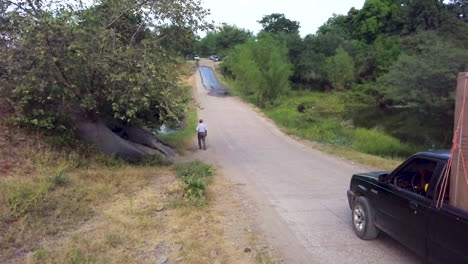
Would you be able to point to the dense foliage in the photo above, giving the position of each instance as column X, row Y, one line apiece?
column 222, row 40
column 278, row 23
column 390, row 52
column 110, row 60
column 261, row 69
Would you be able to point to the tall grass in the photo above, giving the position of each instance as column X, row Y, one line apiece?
column 377, row 143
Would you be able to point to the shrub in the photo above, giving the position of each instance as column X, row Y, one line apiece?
column 194, row 180
column 194, row 188
column 261, row 69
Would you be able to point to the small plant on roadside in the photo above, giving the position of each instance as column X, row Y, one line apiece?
column 194, row 178
column 194, row 189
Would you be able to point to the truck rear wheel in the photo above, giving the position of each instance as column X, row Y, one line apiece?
column 363, row 219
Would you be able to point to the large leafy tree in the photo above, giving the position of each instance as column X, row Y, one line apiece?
column 106, row 61
column 223, row 39
column 340, row 69
column 426, row 74
column 460, row 9
column 278, row 23
column 261, row 69
column 373, row 18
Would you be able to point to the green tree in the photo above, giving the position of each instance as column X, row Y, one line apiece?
column 427, row 76
column 260, row 69
column 66, row 61
column 340, row 69
column 373, row 18
column 338, row 24
column 223, row 40
column 278, row 23
column 460, row 9
column 207, row 45
column 385, row 51
column 420, row 15
column 177, row 40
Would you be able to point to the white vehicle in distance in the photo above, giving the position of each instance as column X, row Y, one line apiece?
column 196, row 57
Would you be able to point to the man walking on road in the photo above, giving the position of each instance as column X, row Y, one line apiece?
column 202, row 132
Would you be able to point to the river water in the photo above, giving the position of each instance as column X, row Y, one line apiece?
column 411, row 125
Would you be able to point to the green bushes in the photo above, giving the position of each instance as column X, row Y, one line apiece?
column 194, row 178
column 261, row 69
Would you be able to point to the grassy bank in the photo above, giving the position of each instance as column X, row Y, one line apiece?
column 315, row 116
column 45, row 192
column 77, row 206
column 181, row 140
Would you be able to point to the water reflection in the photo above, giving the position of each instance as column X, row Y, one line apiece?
column 410, row 125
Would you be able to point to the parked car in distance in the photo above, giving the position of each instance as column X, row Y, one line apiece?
column 215, row 57
column 402, row 203
column 196, row 57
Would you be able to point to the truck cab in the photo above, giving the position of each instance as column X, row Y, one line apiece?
column 402, row 203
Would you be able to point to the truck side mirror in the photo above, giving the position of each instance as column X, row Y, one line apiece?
column 383, row 178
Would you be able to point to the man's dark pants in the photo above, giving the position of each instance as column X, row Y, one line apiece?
column 201, row 139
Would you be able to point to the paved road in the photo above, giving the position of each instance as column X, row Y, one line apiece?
column 301, row 191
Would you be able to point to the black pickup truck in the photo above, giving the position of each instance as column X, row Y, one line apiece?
column 402, row 203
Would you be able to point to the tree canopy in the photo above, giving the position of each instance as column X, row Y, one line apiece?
column 278, row 23
column 110, row 60
column 223, row 39
column 261, row 68
column 405, row 52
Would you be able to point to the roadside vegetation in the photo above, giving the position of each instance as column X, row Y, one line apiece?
column 181, row 139
column 195, row 177
column 317, row 117
column 110, row 61
column 61, row 201
column 74, row 205
column 391, row 56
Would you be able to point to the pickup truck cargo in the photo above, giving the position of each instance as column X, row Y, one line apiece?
column 402, row 203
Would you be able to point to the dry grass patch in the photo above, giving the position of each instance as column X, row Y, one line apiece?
column 146, row 226
column 130, row 229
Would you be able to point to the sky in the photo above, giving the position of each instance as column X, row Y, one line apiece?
column 311, row 14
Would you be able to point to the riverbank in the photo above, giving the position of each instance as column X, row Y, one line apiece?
column 316, row 118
